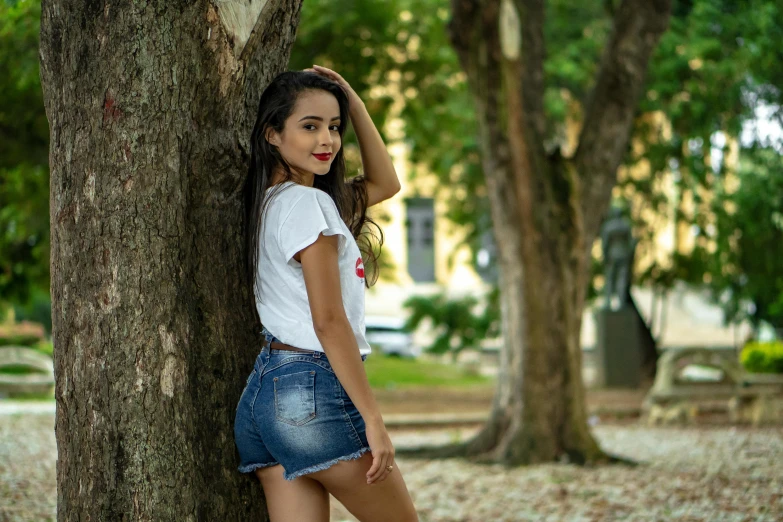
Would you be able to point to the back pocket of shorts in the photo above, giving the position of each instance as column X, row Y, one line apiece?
column 295, row 397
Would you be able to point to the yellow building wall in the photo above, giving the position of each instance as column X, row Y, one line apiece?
column 454, row 272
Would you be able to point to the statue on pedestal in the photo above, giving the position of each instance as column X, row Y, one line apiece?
column 618, row 246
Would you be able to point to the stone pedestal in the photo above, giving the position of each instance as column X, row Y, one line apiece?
column 618, row 349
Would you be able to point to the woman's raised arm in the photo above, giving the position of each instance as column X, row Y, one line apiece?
column 381, row 178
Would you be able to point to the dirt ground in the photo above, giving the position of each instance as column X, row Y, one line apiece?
column 479, row 399
column 704, row 474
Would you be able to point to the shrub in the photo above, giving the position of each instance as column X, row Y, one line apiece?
column 24, row 333
column 763, row 357
column 46, row 347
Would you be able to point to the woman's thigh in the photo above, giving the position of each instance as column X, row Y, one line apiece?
column 386, row 501
column 299, row 499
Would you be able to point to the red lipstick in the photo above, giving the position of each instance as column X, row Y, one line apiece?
column 323, row 157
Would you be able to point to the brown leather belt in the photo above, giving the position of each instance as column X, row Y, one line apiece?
column 280, row 346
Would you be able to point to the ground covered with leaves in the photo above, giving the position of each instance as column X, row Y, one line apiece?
column 694, row 474
column 711, row 474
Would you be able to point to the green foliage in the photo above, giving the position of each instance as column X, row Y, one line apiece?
column 38, row 309
column 460, row 323
column 24, row 232
column 24, row 131
column 763, row 357
column 24, row 146
column 18, row 369
column 741, row 251
column 575, row 34
column 715, row 66
column 46, row 347
column 387, row 372
column 718, row 63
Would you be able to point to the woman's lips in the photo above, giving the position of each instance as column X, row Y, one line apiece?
column 323, row 157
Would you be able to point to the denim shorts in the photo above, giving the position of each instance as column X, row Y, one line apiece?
column 293, row 411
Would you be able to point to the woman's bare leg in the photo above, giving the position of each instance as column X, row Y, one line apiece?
column 300, row 499
column 386, row 501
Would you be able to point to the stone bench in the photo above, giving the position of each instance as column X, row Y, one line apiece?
column 676, row 398
column 39, row 382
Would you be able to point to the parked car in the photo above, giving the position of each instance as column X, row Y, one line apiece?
column 387, row 334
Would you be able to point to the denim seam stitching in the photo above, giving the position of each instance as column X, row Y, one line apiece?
column 297, row 358
column 295, row 352
column 244, row 390
column 253, row 408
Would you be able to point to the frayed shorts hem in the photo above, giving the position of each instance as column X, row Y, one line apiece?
column 253, row 467
column 325, row 465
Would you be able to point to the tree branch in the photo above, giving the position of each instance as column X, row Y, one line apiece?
column 500, row 48
column 531, row 14
column 463, row 27
column 237, row 18
column 274, row 29
column 638, row 25
column 473, row 33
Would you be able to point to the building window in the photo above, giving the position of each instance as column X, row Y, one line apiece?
column 420, row 225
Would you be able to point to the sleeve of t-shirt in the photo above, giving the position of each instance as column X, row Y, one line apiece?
column 314, row 213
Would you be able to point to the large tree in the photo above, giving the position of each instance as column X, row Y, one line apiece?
column 150, row 108
column 546, row 210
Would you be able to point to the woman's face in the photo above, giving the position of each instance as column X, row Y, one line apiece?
column 310, row 139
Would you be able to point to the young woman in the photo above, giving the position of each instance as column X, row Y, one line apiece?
column 307, row 423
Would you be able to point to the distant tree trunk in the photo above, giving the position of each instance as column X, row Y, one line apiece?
column 150, row 108
column 546, row 212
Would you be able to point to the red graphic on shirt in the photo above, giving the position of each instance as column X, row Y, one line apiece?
column 360, row 268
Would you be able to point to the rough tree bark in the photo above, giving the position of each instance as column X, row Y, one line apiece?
column 150, row 107
column 546, row 212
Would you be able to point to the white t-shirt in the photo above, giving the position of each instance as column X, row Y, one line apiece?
column 294, row 218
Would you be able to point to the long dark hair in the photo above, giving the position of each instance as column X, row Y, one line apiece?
column 276, row 105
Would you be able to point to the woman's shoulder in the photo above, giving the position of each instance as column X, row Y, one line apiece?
column 294, row 195
column 294, row 190
column 287, row 193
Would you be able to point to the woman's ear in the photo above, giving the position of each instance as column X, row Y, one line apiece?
column 272, row 136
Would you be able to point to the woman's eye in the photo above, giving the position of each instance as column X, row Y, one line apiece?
column 310, row 126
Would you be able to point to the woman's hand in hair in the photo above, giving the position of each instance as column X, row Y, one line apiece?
column 353, row 98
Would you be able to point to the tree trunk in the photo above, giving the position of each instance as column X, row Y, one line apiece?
column 546, row 212
column 150, row 109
